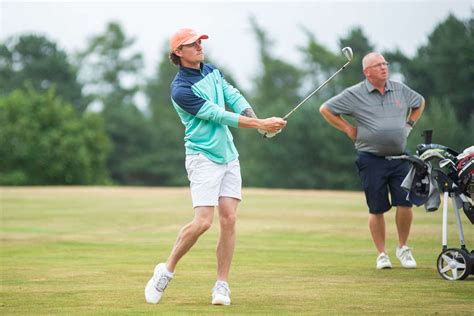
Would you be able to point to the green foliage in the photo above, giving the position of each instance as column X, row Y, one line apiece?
column 278, row 81
column 321, row 64
column 111, row 73
column 276, row 91
column 447, row 130
column 132, row 140
column 361, row 46
column 309, row 153
column 38, row 60
column 111, row 76
column 44, row 141
column 147, row 144
column 167, row 158
column 442, row 68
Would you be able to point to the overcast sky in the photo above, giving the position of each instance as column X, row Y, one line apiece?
column 387, row 24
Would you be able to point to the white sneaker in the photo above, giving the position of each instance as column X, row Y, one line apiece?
column 406, row 257
column 383, row 262
column 221, row 293
column 157, row 284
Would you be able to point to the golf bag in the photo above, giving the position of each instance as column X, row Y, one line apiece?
column 436, row 170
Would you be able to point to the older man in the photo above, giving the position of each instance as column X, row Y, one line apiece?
column 384, row 111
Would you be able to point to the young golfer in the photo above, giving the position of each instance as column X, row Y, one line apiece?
column 199, row 94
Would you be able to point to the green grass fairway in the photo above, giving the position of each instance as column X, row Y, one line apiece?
column 91, row 250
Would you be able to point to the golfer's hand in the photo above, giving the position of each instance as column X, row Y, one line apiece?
column 351, row 132
column 271, row 125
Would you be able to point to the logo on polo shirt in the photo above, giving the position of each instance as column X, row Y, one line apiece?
column 397, row 102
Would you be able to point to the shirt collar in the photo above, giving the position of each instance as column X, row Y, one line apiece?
column 190, row 71
column 371, row 88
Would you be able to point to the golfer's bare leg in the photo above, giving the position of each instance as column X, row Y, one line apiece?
column 403, row 219
column 226, row 243
column 377, row 229
column 189, row 234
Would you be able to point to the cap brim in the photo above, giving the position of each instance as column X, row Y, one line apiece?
column 195, row 38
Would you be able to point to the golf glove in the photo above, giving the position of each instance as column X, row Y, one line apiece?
column 269, row 135
column 408, row 130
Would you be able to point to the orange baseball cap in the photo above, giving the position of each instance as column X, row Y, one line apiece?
column 185, row 36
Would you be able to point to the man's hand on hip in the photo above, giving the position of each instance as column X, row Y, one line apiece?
column 351, row 132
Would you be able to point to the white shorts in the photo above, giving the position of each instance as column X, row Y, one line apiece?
column 209, row 180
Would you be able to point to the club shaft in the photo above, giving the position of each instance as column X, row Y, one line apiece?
column 312, row 93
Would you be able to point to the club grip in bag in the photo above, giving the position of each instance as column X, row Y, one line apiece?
column 428, row 135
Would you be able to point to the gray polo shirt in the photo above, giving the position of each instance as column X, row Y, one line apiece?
column 381, row 119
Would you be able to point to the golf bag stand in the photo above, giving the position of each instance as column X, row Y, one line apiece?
column 454, row 263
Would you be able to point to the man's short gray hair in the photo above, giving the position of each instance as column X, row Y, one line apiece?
column 365, row 60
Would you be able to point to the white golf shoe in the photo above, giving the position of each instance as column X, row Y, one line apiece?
column 406, row 257
column 383, row 261
column 221, row 293
column 157, row 284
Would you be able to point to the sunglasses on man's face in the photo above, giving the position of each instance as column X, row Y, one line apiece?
column 194, row 44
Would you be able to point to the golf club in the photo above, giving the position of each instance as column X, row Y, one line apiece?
column 347, row 52
column 444, row 162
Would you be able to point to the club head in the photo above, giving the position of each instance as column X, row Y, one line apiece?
column 431, row 154
column 347, row 51
column 444, row 162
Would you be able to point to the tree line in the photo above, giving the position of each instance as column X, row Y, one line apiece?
column 73, row 118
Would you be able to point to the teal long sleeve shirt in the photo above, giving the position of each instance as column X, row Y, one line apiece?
column 199, row 97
